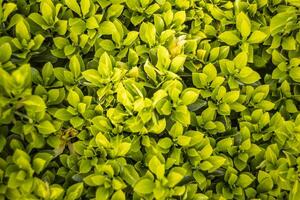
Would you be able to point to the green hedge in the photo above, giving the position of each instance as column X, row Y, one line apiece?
column 149, row 99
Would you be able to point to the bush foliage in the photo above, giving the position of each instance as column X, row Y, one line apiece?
column 149, row 99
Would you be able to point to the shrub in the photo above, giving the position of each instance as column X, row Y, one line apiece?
column 149, row 99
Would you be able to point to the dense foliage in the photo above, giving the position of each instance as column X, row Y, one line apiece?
column 149, row 99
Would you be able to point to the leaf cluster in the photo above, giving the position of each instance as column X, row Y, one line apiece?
column 149, row 99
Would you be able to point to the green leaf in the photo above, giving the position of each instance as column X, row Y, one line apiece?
column 182, row 115
column 216, row 161
column 77, row 122
column 118, row 195
column 94, row 180
column 21, row 159
column 134, row 124
column 85, row 166
column 205, row 166
column 107, row 45
column 270, row 155
column 199, row 79
column 22, row 76
column 38, row 19
column 77, row 26
column 290, row 106
column 2, row 142
column 144, row 186
column 289, row 43
column 164, row 107
column 175, row 176
column 295, row 74
column 74, row 191
column 211, row 125
column 60, row 42
column 210, row 71
column 244, row 180
column 62, row 26
column 224, row 109
column 265, row 185
column 107, row 28
column 159, row 126
column 63, row 114
column 231, row 97
column 148, row 33
column 102, row 141
column 129, row 174
column 102, row 193
column 56, row 192
column 92, row 23
column 157, row 167
column 22, row 30
column 150, row 70
column 114, row 10
column 73, row 98
column 257, row 37
column 131, row 37
column 85, row 6
column 165, row 143
column 189, row 96
column 206, row 152
column 34, row 103
column 8, row 9
column 124, row 97
column 73, row 5
column 75, row 66
column 133, row 58
column 241, row 60
column 163, row 58
column 208, row 114
column 176, row 130
column 248, row 76
column 295, row 192
column 279, row 21
column 47, row 10
column 229, row 37
column 46, row 127
column 41, row 189
column 123, row 148
column 105, row 65
column 179, row 18
column 177, row 63
column 183, row 140
column 101, row 123
column 243, row 24
column 266, row 105
column 92, row 76
column 40, row 161
column 246, row 145
column 118, row 35
column 225, row 144
column 6, row 52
